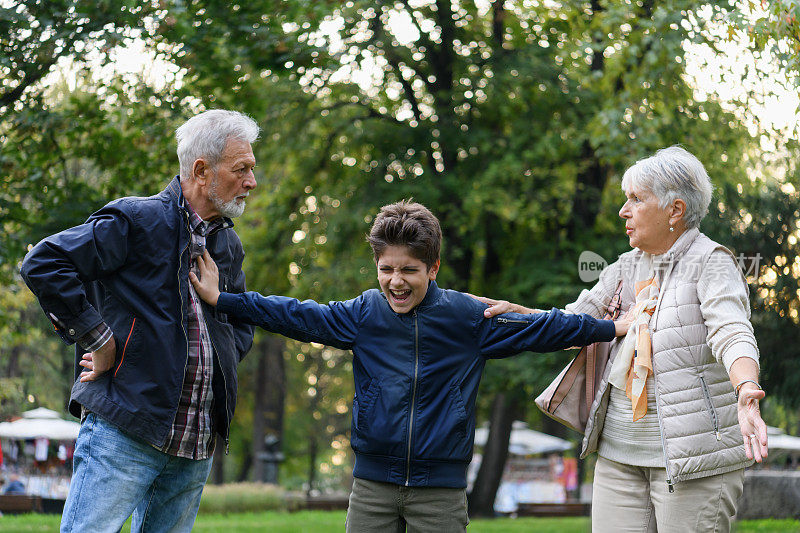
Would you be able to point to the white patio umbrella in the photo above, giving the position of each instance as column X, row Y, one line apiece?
column 40, row 422
column 526, row 441
column 779, row 440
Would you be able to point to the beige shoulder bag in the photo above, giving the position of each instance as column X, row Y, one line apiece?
column 569, row 397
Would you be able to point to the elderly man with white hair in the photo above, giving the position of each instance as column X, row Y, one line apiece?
column 155, row 377
column 675, row 419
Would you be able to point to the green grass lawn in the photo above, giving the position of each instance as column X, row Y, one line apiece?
column 315, row 521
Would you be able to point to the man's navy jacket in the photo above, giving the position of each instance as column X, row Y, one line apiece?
column 416, row 374
column 128, row 265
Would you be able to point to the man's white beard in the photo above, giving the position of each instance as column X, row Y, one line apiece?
column 230, row 209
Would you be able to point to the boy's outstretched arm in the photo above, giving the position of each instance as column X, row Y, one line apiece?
column 499, row 307
column 554, row 330
column 334, row 324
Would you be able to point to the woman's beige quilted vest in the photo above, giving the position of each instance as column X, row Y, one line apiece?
column 695, row 403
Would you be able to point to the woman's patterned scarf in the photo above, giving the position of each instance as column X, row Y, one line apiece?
column 634, row 363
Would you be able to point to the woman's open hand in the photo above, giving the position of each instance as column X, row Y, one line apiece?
column 754, row 430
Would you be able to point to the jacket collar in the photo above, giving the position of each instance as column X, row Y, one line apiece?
column 431, row 297
column 175, row 193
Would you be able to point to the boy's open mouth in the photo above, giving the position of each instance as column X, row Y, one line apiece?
column 400, row 296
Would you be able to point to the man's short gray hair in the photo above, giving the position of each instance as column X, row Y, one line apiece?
column 669, row 174
column 204, row 136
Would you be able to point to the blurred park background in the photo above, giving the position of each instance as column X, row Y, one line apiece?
column 512, row 120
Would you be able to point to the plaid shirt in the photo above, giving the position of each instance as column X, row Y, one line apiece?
column 192, row 432
column 95, row 339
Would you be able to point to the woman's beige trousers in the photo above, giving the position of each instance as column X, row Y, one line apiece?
column 637, row 499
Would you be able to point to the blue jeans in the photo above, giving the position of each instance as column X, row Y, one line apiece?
column 115, row 474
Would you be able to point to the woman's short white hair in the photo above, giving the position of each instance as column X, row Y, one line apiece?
column 204, row 136
column 669, row 174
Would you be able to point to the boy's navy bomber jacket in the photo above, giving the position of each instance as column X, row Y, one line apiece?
column 416, row 374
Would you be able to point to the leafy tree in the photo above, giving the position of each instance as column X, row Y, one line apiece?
column 30, row 357
column 35, row 35
column 512, row 121
column 760, row 214
column 36, row 174
column 775, row 29
column 759, row 220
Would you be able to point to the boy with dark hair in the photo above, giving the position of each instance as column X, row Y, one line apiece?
column 418, row 356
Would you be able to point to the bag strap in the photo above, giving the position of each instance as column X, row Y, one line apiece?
column 615, row 305
column 591, row 351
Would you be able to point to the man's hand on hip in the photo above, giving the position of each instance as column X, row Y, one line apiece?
column 99, row 361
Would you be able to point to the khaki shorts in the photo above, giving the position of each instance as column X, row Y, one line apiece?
column 636, row 499
column 390, row 508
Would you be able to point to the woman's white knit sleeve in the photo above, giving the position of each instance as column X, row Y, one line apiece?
column 725, row 305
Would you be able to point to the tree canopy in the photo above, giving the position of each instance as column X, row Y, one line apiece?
column 512, row 121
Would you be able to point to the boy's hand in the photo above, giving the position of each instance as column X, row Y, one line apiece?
column 498, row 307
column 207, row 286
column 623, row 324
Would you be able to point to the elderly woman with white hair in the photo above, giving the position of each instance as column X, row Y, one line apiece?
column 675, row 419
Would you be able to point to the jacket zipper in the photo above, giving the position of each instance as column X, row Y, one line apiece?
column 661, row 430
column 224, row 383
column 711, row 409
column 501, row 320
column 183, row 325
column 413, row 398
column 670, row 485
column 598, row 399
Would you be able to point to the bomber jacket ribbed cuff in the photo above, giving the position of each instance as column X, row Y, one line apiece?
column 228, row 303
column 607, row 330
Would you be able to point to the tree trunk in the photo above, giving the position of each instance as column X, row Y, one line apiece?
column 247, row 464
column 554, row 428
column 581, row 474
column 268, row 405
column 506, row 407
column 312, row 464
column 218, row 465
column 458, row 256
column 491, row 261
column 588, row 193
column 314, row 430
column 592, row 179
column 12, row 369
